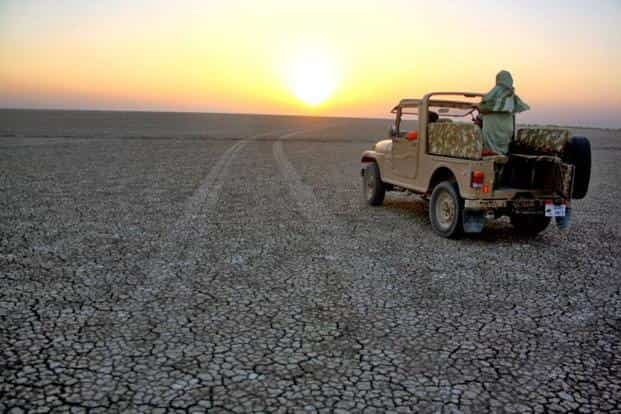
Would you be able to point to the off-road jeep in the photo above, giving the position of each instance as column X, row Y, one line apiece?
column 441, row 158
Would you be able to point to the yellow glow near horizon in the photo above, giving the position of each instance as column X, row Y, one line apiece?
column 312, row 76
column 318, row 57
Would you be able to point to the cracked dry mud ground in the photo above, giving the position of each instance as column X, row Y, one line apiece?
column 231, row 266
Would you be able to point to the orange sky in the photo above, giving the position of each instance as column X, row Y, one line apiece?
column 250, row 56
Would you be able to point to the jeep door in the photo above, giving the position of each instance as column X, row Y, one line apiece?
column 404, row 149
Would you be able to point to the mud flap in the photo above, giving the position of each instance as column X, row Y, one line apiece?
column 563, row 223
column 474, row 221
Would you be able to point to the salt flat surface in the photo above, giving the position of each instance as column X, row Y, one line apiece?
column 192, row 262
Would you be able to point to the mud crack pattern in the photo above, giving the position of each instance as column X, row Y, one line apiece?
column 238, row 271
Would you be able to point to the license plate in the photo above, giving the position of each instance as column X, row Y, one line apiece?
column 553, row 210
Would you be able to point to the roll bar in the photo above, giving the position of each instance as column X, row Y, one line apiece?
column 426, row 101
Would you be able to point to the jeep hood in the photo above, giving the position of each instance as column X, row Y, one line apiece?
column 384, row 146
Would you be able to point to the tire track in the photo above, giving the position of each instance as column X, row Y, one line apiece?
column 360, row 297
column 346, row 253
column 158, row 313
column 161, row 272
column 167, row 269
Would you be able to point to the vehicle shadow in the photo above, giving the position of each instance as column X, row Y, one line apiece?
column 409, row 205
column 498, row 230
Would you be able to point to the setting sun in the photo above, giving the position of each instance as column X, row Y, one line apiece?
column 312, row 77
column 317, row 57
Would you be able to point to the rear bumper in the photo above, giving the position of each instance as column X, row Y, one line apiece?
column 477, row 211
column 521, row 205
column 485, row 204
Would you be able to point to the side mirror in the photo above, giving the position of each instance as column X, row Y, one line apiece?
column 392, row 131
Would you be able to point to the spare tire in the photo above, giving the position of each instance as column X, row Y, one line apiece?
column 578, row 153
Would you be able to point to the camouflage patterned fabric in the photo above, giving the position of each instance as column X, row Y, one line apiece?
column 567, row 174
column 542, row 140
column 459, row 140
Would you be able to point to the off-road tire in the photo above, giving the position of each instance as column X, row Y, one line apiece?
column 373, row 189
column 529, row 224
column 446, row 210
column 578, row 153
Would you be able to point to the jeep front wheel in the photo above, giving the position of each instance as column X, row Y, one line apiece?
column 446, row 210
column 372, row 186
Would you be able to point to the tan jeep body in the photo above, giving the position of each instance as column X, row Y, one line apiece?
column 452, row 151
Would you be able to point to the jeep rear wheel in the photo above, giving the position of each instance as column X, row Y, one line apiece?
column 529, row 224
column 373, row 188
column 446, row 210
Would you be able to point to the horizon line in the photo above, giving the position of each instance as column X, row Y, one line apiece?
column 267, row 114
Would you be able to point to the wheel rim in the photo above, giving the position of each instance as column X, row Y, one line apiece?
column 370, row 185
column 445, row 210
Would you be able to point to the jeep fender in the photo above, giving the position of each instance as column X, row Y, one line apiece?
column 441, row 174
column 369, row 156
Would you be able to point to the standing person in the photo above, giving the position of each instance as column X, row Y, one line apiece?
column 497, row 109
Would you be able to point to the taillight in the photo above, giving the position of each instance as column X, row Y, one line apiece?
column 477, row 179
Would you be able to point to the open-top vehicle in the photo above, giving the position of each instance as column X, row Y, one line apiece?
column 443, row 160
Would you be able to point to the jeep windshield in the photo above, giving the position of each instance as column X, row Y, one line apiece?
column 448, row 106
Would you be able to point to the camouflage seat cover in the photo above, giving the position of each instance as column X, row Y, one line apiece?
column 541, row 140
column 459, row 140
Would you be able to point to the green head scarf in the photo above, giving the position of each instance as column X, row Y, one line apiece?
column 502, row 97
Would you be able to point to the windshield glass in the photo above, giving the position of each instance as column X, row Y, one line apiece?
column 451, row 107
column 447, row 112
column 409, row 121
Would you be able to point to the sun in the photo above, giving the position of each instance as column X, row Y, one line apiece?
column 312, row 76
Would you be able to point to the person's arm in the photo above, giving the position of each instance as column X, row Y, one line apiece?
column 486, row 107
